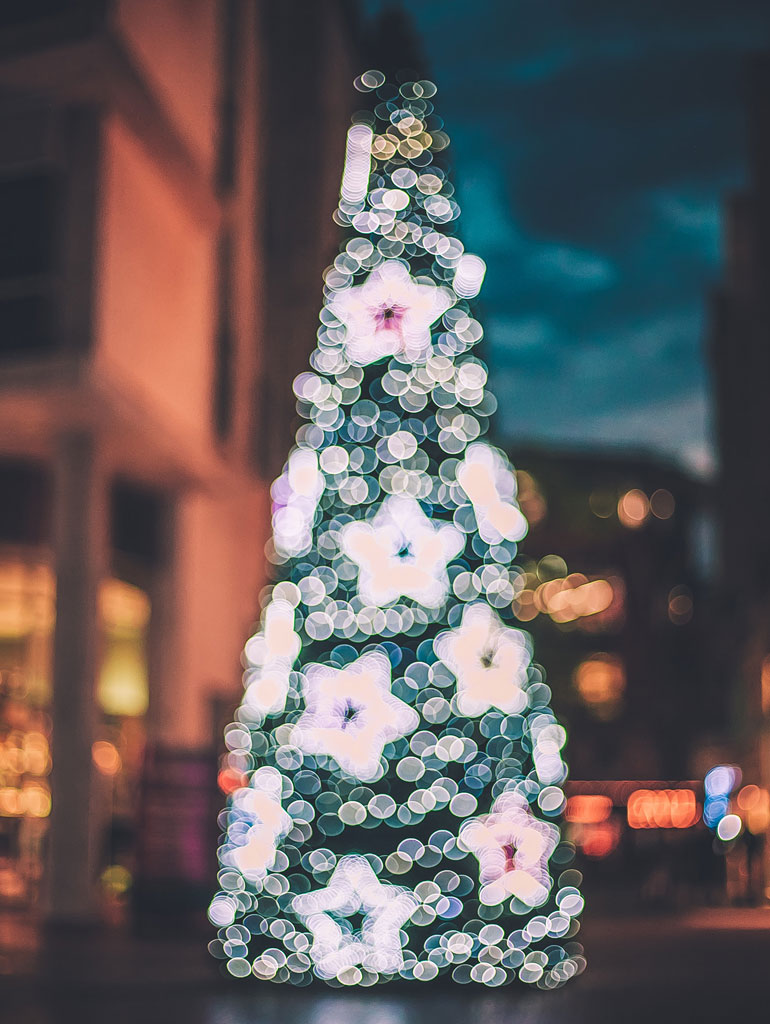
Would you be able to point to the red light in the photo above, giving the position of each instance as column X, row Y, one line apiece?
column 229, row 780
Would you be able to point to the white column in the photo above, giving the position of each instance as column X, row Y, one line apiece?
column 80, row 554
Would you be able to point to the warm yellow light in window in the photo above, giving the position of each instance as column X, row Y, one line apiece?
column 123, row 607
column 26, row 599
column 600, row 681
column 123, row 688
column 123, row 685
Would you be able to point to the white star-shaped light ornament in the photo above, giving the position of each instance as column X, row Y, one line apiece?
column 513, row 848
column 390, row 314
column 489, row 660
column 272, row 651
column 354, row 888
column 350, row 714
column 489, row 481
column 259, row 802
column 295, row 498
column 402, row 553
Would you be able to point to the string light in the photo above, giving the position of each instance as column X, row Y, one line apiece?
column 391, row 705
column 358, row 162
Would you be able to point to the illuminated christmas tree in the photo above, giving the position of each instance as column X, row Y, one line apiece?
column 400, row 767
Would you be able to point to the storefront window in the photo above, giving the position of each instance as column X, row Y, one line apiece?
column 27, row 615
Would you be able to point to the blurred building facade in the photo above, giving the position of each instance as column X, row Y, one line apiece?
column 617, row 566
column 616, row 559
column 161, row 212
column 739, row 343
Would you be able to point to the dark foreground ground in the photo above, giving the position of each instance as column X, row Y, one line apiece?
column 704, row 966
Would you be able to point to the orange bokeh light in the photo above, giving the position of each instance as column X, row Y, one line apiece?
column 663, row 808
column 588, row 809
column 633, row 508
column 106, row 757
column 229, row 780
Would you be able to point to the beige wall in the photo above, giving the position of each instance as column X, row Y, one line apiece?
column 213, row 592
column 155, row 290
column 176, row 43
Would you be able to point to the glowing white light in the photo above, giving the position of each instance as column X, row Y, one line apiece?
column 389, row 314
column 729, row 827
column 295, row 499
column 512, row 847
column 351, row 714
column 488, row 480
column 489, row 659
column 469, row 275
column 358, row 163
column 354, row 888
column 277, row 641
column 273, row 651
column 402, row 553
column 261, row 803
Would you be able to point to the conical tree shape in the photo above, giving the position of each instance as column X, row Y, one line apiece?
column 401, row 767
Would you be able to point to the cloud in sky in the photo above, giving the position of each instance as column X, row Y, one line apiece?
column 593, row 144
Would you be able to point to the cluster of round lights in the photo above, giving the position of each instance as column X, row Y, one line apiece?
column 334, row 845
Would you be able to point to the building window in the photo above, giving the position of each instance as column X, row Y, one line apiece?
column 28, row 215
column 25, row 511
column 138, row 523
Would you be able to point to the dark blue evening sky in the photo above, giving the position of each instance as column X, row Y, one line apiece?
column 593, row 142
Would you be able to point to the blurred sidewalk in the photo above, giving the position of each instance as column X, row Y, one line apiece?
column 103, row 959
column 114, row 961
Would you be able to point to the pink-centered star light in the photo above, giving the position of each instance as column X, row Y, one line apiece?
column 513, row 848
column 389, row 314
column 350, row 714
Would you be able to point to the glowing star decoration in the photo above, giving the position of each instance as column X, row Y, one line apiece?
column 295, row 499
column 260, row 802
column 489, row 659
column 351, row 714
column 354, row 888
column 513, row 848
column 402, row 553
column 272, row 651
column 490, row 484
column 390, row 314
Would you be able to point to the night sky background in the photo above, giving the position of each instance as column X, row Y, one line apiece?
column 593, row 144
